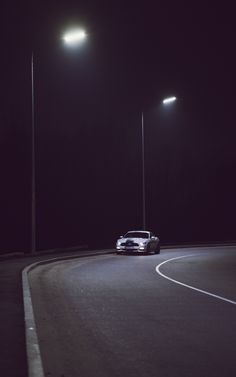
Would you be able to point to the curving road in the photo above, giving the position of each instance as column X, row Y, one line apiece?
column 137, row 316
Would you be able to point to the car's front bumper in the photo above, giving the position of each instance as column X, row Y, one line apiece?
column 130, row 249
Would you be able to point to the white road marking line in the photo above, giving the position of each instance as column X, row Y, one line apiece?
column 186, row 285
column 34, row 360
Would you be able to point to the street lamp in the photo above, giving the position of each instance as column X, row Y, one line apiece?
column 73, row 37
column 168, row 100
column 165, row 102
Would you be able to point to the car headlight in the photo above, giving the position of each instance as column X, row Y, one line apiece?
column 143, row 243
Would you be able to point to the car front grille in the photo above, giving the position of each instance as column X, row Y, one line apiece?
column 129, row 243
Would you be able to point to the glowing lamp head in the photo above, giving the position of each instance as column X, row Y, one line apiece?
column 74, row 37
column 169, row 100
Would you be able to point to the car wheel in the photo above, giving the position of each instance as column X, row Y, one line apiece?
column 157, row 251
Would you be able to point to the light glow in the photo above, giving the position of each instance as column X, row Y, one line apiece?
column 169, row 100
column 74, row 37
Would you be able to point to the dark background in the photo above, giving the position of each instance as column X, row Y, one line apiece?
column 88, row 105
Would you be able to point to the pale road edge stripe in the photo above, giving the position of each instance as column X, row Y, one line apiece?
column 186, row 285
column 35, row 367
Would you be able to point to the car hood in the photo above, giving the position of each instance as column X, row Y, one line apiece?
column 136, row 240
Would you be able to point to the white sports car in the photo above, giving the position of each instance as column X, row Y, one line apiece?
column 138, row 241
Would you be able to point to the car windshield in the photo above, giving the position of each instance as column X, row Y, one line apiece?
column 137, row 235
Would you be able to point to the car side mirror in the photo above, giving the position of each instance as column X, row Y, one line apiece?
column 121, row 236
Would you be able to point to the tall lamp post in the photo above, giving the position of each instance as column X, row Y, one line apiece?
column 33, row 183
column 165, row 101
column 73, row 38
column 143, row 176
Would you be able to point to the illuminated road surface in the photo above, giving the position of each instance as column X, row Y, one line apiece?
column 116, row 316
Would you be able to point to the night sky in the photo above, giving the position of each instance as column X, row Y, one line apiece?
column 88, row 105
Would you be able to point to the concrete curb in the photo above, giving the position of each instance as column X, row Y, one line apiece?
column 35, row 368
column 34, row 360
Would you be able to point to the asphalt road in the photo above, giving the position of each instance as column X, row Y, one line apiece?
column 117, row 316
